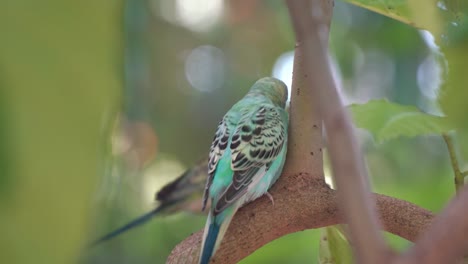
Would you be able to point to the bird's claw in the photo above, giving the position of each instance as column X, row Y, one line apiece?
column 271, row 198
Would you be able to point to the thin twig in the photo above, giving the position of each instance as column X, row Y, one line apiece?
column 459, row 178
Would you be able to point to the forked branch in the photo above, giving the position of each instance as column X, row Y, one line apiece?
column 302, row 199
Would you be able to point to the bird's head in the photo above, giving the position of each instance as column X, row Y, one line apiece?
column 272, row 88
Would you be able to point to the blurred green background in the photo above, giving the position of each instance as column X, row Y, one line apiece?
column 103, row 102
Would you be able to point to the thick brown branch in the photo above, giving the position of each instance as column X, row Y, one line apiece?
column 300, row 203
column 305, row 129
column 347, row 162
column 445, row 241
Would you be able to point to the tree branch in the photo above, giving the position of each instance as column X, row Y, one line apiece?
column 445, row 240
column 305, row 127
column 302, row 199
column 300, row 203
column 346, row 159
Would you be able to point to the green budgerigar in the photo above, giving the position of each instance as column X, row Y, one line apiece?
column 246, row 157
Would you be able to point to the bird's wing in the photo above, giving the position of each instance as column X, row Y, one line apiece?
column 218, row 146
column 256, row 142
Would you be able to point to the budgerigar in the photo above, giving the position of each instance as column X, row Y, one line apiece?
column 183, row 194
column 246, row 157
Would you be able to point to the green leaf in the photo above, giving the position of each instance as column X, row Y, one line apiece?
column 398, row 10
column 454, row 91
column 334, row 247
column 386, row 120
column 437, row 16
column 447, row 20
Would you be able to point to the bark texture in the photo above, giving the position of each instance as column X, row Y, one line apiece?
column 301, row 202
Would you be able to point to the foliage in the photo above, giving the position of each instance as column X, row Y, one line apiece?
column 334, row 247
column 387, row 120
column 447, row 20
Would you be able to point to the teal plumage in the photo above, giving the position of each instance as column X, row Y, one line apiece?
column 246, row 157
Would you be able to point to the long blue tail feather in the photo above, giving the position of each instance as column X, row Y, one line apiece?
column 134, row 223
column 210, row 242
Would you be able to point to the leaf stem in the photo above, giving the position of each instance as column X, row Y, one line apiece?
column 459, row 176
column 464, row 174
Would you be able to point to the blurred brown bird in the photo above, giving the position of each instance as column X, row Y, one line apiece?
column 183, row 194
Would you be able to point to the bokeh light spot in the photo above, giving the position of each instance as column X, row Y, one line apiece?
column 199, row 15
column 429, row 77
column 157, row 175
column 283, row 69
column 205, row 68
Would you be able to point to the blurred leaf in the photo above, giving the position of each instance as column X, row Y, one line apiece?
column 60, row 63
column 447, row 20
column 334, row 247
column 396, row 9
column 421, row 14
column 386, row 120
column 454, row 92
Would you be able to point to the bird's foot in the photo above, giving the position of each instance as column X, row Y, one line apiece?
column 271, row 198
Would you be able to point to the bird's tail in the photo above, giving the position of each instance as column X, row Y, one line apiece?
column 215, row 229
column 137, row 222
